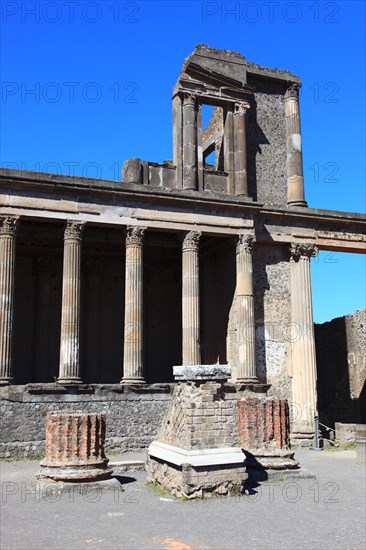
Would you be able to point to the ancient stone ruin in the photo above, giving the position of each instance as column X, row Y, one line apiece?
column 202, row 260
column 75, row 448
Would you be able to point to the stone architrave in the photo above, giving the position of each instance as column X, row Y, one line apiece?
column 189, row 141
column 302, row 339
column 191, row 299
column 8, row 230
column 246, row 372
column 133, row 332
column 240, row 149
column 295, row 178
column 70, row 308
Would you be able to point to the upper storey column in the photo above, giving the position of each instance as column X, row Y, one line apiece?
column 70, row 308
column 295, row 178
column 191, row 299
column 133, row 333
column 240, row 149
column 189, row 141
column 8, row 230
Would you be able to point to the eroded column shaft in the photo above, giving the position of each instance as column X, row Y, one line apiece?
column 190, row 299
column 133, row 330
column 302, row 341
column 189, row 142
column 70, row 309
column 8, row 229
column 295, row 178
column 245, row 311
column 240, row 153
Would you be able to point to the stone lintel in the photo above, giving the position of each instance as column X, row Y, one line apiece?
column 202, row 372
column 201, row 457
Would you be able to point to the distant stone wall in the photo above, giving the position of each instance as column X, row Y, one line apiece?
column 133, row 417
column 341, row 365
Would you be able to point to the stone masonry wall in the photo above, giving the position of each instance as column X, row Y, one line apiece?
column 272, row 304
column 341, row 366
column 201, row 417
column 266, row 142
column 133, row 418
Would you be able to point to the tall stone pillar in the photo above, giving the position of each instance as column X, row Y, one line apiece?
column 191, row 299
column 8, row 229
column 92, row 344
column 295, row 178
column 41, row 367
column 246, row 372
column 133, row 332
column 302, row 343
column 240, row 149
column 189, row 141
column 70, row 307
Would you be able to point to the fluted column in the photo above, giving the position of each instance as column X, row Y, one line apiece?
column 246, row 372
column 70, row 310
column 133, row 332
column 191, row 299
column 240, row 149
column 189, row 141
column 42, row 320
column 302, row 342
column 8, row 229
column 92, row 347
column 295, row 178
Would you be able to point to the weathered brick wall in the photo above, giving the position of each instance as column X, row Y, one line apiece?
column 133, row 418
column 263, row 423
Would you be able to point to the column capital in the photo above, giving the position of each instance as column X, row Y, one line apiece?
column 191, row 240
column 292, row 91
column 9, row 225
column 74, row 230
column 306, row 250
column 189, row 98
column 245, row 243
column 241, row 107
column 135, row 235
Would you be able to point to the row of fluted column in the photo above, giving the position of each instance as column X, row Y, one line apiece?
column 69, row 365
column 303, row 347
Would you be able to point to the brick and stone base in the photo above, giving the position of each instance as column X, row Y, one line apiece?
column 75, row 448
column 264, row 433
column 197, row 474
column 195, row 454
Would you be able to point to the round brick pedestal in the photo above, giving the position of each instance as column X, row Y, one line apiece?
column 75, row 448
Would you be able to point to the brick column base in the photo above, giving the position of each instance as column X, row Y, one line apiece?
column 75, row 448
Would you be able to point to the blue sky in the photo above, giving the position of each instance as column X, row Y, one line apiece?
column 86, row 85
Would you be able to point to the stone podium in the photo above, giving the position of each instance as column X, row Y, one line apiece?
column 195, row 456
